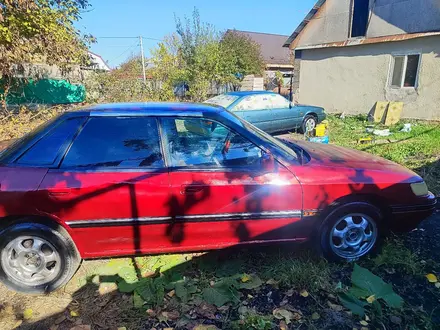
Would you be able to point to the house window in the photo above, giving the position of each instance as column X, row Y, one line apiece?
column 405, row 70
column 359, row 23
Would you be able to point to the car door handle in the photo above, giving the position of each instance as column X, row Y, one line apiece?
column 192, row 189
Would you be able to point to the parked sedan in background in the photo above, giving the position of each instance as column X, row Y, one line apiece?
column 269, row 111
column 126, row 179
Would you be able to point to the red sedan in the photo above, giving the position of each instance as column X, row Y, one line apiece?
column 126, row 179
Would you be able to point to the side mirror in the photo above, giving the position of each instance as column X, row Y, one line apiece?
column 268, row 163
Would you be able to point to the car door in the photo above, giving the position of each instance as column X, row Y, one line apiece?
column 112, row 187
column 255, row 109
column 220, row 193
column 284, row 117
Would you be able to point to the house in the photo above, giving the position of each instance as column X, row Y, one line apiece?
column 97, row 63
column 275, row 56
column 349, row 54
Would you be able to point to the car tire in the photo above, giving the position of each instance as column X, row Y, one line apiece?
column 308, row 119
column 350, row 232
column 35, row 258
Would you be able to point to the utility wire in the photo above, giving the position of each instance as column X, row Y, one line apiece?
column 125, row 51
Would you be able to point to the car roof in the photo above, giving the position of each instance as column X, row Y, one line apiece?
column 149, row 108
column 246, row 93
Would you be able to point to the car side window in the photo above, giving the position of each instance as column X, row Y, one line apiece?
column 121, row 142
column 279, row 102
column 49, row 147
column 200, row 142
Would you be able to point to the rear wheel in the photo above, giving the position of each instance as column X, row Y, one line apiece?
column 35, row 258
column 309, row 123
column 351, row 232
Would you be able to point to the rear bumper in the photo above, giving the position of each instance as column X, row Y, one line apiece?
column 407, row 217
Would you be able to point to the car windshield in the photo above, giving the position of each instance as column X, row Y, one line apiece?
column 223, row 100
column 284, row 149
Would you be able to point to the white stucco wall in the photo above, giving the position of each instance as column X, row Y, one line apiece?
column 351, row 79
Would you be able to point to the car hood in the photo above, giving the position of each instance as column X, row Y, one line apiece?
column 335, row 156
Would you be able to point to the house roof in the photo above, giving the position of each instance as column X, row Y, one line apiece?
column 375, row 40
column 271, row 46
column 304, row 22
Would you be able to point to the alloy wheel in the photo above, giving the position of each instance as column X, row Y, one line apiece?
column 353, row 236
column 31, row 260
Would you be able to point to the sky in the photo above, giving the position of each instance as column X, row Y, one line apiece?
column 155, row 19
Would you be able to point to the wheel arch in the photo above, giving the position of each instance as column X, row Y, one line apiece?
column 371, row 199
column 48, row 221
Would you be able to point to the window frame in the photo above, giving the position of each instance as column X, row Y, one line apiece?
column 15, row 161
column 110, row 168
column 405, row 66
column 204, row 168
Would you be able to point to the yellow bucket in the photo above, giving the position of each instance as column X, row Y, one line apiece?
column 320, row 129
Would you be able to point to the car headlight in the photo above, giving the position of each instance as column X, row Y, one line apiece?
column 419, row 188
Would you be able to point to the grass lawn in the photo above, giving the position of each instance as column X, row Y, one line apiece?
column 282, row 287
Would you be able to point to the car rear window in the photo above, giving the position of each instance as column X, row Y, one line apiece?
column 46, row 150
column 122, row 142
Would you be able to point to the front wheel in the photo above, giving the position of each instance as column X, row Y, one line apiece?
column 350, row 232
column 35, row 258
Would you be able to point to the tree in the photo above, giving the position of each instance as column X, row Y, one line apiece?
column 241, row 55
column 40, row 31
column 199, row 56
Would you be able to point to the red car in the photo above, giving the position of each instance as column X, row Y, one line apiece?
column 125, row 179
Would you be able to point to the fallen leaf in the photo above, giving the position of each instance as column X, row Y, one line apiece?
column 283, row 325
column 315, row 316
column 206, row 310
column 168, row 328
column 431, row 278
column 290, row 293
column 437, row 285
column 367, row 318
column 335, row 307
column 245, row 278
column 174, row 315
column 17, row 324
column 27, row 314
column 205, row 327
column 281, row 313
column 122, row 328
column 371, row 299
column 364, row 323
column 150, row 312
column 74, row 313
column 272, row 282
column 223, row 308
column 250, row 296
column 304, row 293
column 171, row 293
column 82, row 327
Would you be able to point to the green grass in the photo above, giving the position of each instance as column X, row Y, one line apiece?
column 395, row 256
column 418, row 150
